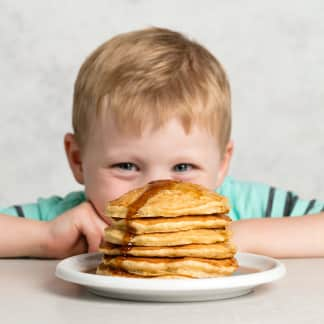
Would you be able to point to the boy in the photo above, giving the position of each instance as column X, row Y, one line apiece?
column 150, row 105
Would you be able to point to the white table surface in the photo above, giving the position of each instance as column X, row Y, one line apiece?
column 30, row 293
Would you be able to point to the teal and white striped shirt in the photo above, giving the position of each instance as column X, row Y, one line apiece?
column 247, row 200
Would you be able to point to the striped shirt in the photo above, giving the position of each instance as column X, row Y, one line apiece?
column 257, row 200
column 247, row 200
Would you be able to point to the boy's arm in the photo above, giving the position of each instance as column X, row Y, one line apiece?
column 76, row 231
column 22, row 237
column 281, row 237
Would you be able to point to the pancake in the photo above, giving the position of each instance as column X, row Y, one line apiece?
column 167, row 198
column 106, row 271
column 199, row 236
column 187, row 266
column 163, row 224
column 215, row 251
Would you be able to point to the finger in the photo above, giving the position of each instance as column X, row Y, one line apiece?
column 107, row 220
column 101, row 225
column 101, row 216
column 80, row 247
column 100, row 221
column 91, row 231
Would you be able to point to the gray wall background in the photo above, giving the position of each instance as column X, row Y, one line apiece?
column 273, row 52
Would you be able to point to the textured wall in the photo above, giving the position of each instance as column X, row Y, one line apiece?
column 273, row 52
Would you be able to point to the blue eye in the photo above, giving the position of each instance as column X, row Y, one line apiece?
column 183, row 167
column 127, row 166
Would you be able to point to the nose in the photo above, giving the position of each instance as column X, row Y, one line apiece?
column 157, row 175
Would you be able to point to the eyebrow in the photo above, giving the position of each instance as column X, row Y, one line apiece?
column 121, row 155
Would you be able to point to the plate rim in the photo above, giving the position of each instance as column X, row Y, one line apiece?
column 65, row 272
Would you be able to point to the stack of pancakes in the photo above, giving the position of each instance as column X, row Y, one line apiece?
column 168, row 229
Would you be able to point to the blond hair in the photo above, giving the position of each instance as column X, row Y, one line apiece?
column 148, row 76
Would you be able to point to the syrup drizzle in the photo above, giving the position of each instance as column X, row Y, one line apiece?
column 153, row 188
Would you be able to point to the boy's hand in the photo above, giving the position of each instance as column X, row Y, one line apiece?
column 78, row 230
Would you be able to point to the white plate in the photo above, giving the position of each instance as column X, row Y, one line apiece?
column 254, row 270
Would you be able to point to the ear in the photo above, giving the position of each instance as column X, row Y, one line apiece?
column 225, row 163
column 73, row 154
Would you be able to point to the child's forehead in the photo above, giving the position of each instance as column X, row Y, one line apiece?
column 169, row 142
column 110, row 127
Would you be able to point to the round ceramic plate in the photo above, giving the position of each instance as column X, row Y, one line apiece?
column 254, row 270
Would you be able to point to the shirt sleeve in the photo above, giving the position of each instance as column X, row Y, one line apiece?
column 257, row 200
column 46, row 209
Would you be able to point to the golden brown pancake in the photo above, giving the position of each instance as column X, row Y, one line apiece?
column 187, row 266
column 168, row 229
column 214, row 251
column 164, row 224
column 167, row 198
column 199, row 236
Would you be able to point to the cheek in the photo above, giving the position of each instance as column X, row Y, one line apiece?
column 207, row 181
column 116, row 189
column 103, row 188
column 209, row 178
